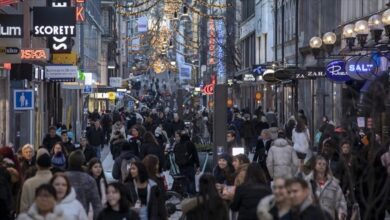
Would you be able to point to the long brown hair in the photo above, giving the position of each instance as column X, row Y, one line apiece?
column 149, row 138
column 151, row 161
column 58, row 175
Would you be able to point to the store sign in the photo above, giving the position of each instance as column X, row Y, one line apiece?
column 116, row 82
column 61, row 73
column 221, row 68
column 249, row 78
column 34, row 54
column 362, row 68
column 310, row 74
column 47, row 24
column 60, row 44
column 65, row 58
column 258, row 69
column 111, row 95
column 212, row 42
column 335, row 71
column 11, row 26
column 208, row 89
column 9, row 50
column 80, row 12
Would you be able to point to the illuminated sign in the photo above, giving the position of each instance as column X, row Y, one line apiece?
column 80, row 15
column 11, row 26
column 208, row 89
column 249, row 78
column 221, row 69
column 211, row 42
column 47, row 24
column 34, row 54
column 335, row 71
column 7, row 66
column 65, row 58
column 362, row 68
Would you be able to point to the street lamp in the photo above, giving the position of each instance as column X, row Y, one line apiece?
column 361, row 29
column 386, row 21
column 349, row 35
column 329, row 39
column 315, row 45
column 376, row 26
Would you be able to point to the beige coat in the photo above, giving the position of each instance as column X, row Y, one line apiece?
column 28, row 191
column 282, row 161
column 241, row 172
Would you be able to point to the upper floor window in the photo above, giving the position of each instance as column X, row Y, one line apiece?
column 247, row 8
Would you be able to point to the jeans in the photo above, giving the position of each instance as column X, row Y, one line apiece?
column 98, row 150
column 189, row 173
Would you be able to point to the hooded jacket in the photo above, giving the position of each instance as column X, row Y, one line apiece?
column 73, row 208
column 33, row 214
column 282, row 161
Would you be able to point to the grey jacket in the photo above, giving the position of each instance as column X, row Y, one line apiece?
column 282, row 161
column 330, row 197
column 86, row 190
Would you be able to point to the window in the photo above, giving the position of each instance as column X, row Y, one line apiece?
column 248, row 48
column 247, row 8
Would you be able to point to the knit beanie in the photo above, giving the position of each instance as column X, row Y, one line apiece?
column 76, row 160
column 42, row 151
column 226, row 157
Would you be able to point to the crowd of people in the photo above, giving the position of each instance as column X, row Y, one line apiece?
column 284, row 173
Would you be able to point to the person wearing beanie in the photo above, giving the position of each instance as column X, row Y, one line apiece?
column 84, row 185
column 42, row 176
column 58, row 159
column 224, row 171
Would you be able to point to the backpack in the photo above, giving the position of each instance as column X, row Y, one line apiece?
column 182, row 156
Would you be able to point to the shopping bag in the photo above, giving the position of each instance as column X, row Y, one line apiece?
column 198, row 175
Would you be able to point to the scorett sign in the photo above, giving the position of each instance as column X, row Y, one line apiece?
column 47, row 23
column 11, row 26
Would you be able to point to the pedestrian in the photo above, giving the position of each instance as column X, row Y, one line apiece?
column 282, row 161
column 276, row 206
column 144, row 194
column 87, row 149
column 262, row 147
column 186, row 157
column 231, row 141
column 50, row 139
column 151, row 146
column 224, row 171
column 289, row 127
column 261, row 124
column 84, row 185
column 43, row 175
column 27, row 159
column 116, row 142
column 58, row 156
column 247, row 131
column 207, row 204
column 66, row 142
column 177, row 124
column 301, row 140
column 7, row 200
column 302, row 116
column 66, row 198
column 44, row 206
column 240, row 164
column 118, row 126
column 151, row 163
column 95, row 137
column 302, row 204
column 95, row 169
column 122, row 162
column 248, row 195
column 136, row 138
column 326, row 190
column 117, row 207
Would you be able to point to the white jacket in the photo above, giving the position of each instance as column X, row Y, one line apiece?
column 32, row 214
column 73, row 210
column 282, row 161
column 301, row 141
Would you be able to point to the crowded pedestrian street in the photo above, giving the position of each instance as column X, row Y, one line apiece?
column 194, row 110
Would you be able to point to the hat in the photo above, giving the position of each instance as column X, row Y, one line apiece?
column 76, row 160
column 226, row 157
column 42, row 151
column 44, row 160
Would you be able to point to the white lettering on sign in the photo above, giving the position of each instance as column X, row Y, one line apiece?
column 335, row 70
column 54, row 30
column 10, row 31
column 361, row 67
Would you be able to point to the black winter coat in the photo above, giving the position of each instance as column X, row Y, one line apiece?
column 89, row 153
column 150, row 148
column 246, row 199
column 313, row 212
column 156, row 202
column 213, row 212
column 48, row 142
column 110, row 214
column 261, row 150
column 95, row 136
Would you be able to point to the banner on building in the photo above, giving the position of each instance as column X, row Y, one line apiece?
column 61, row 73
column 46, row 22
column 11, row 26
column 185, row 72
column 142, row 24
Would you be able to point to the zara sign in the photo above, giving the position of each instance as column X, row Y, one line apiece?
column 335, row 71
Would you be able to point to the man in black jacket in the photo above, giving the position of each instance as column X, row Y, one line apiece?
column 50, row 139
column 303, row 207
column 95, row 136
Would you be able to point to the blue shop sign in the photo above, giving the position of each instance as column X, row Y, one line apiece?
column 335, row 71
column 362, row 68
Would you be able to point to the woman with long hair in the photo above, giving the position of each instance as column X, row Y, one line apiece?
column 151, row 163
column 117, row 207
column 301, row 140
column 95, row 169
column 326, row 190
column 66, row 198
column 248, row 195
column 144, row 194
column 151, row 146
column 208, row 205
column 224, row 172
column 58, row 156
